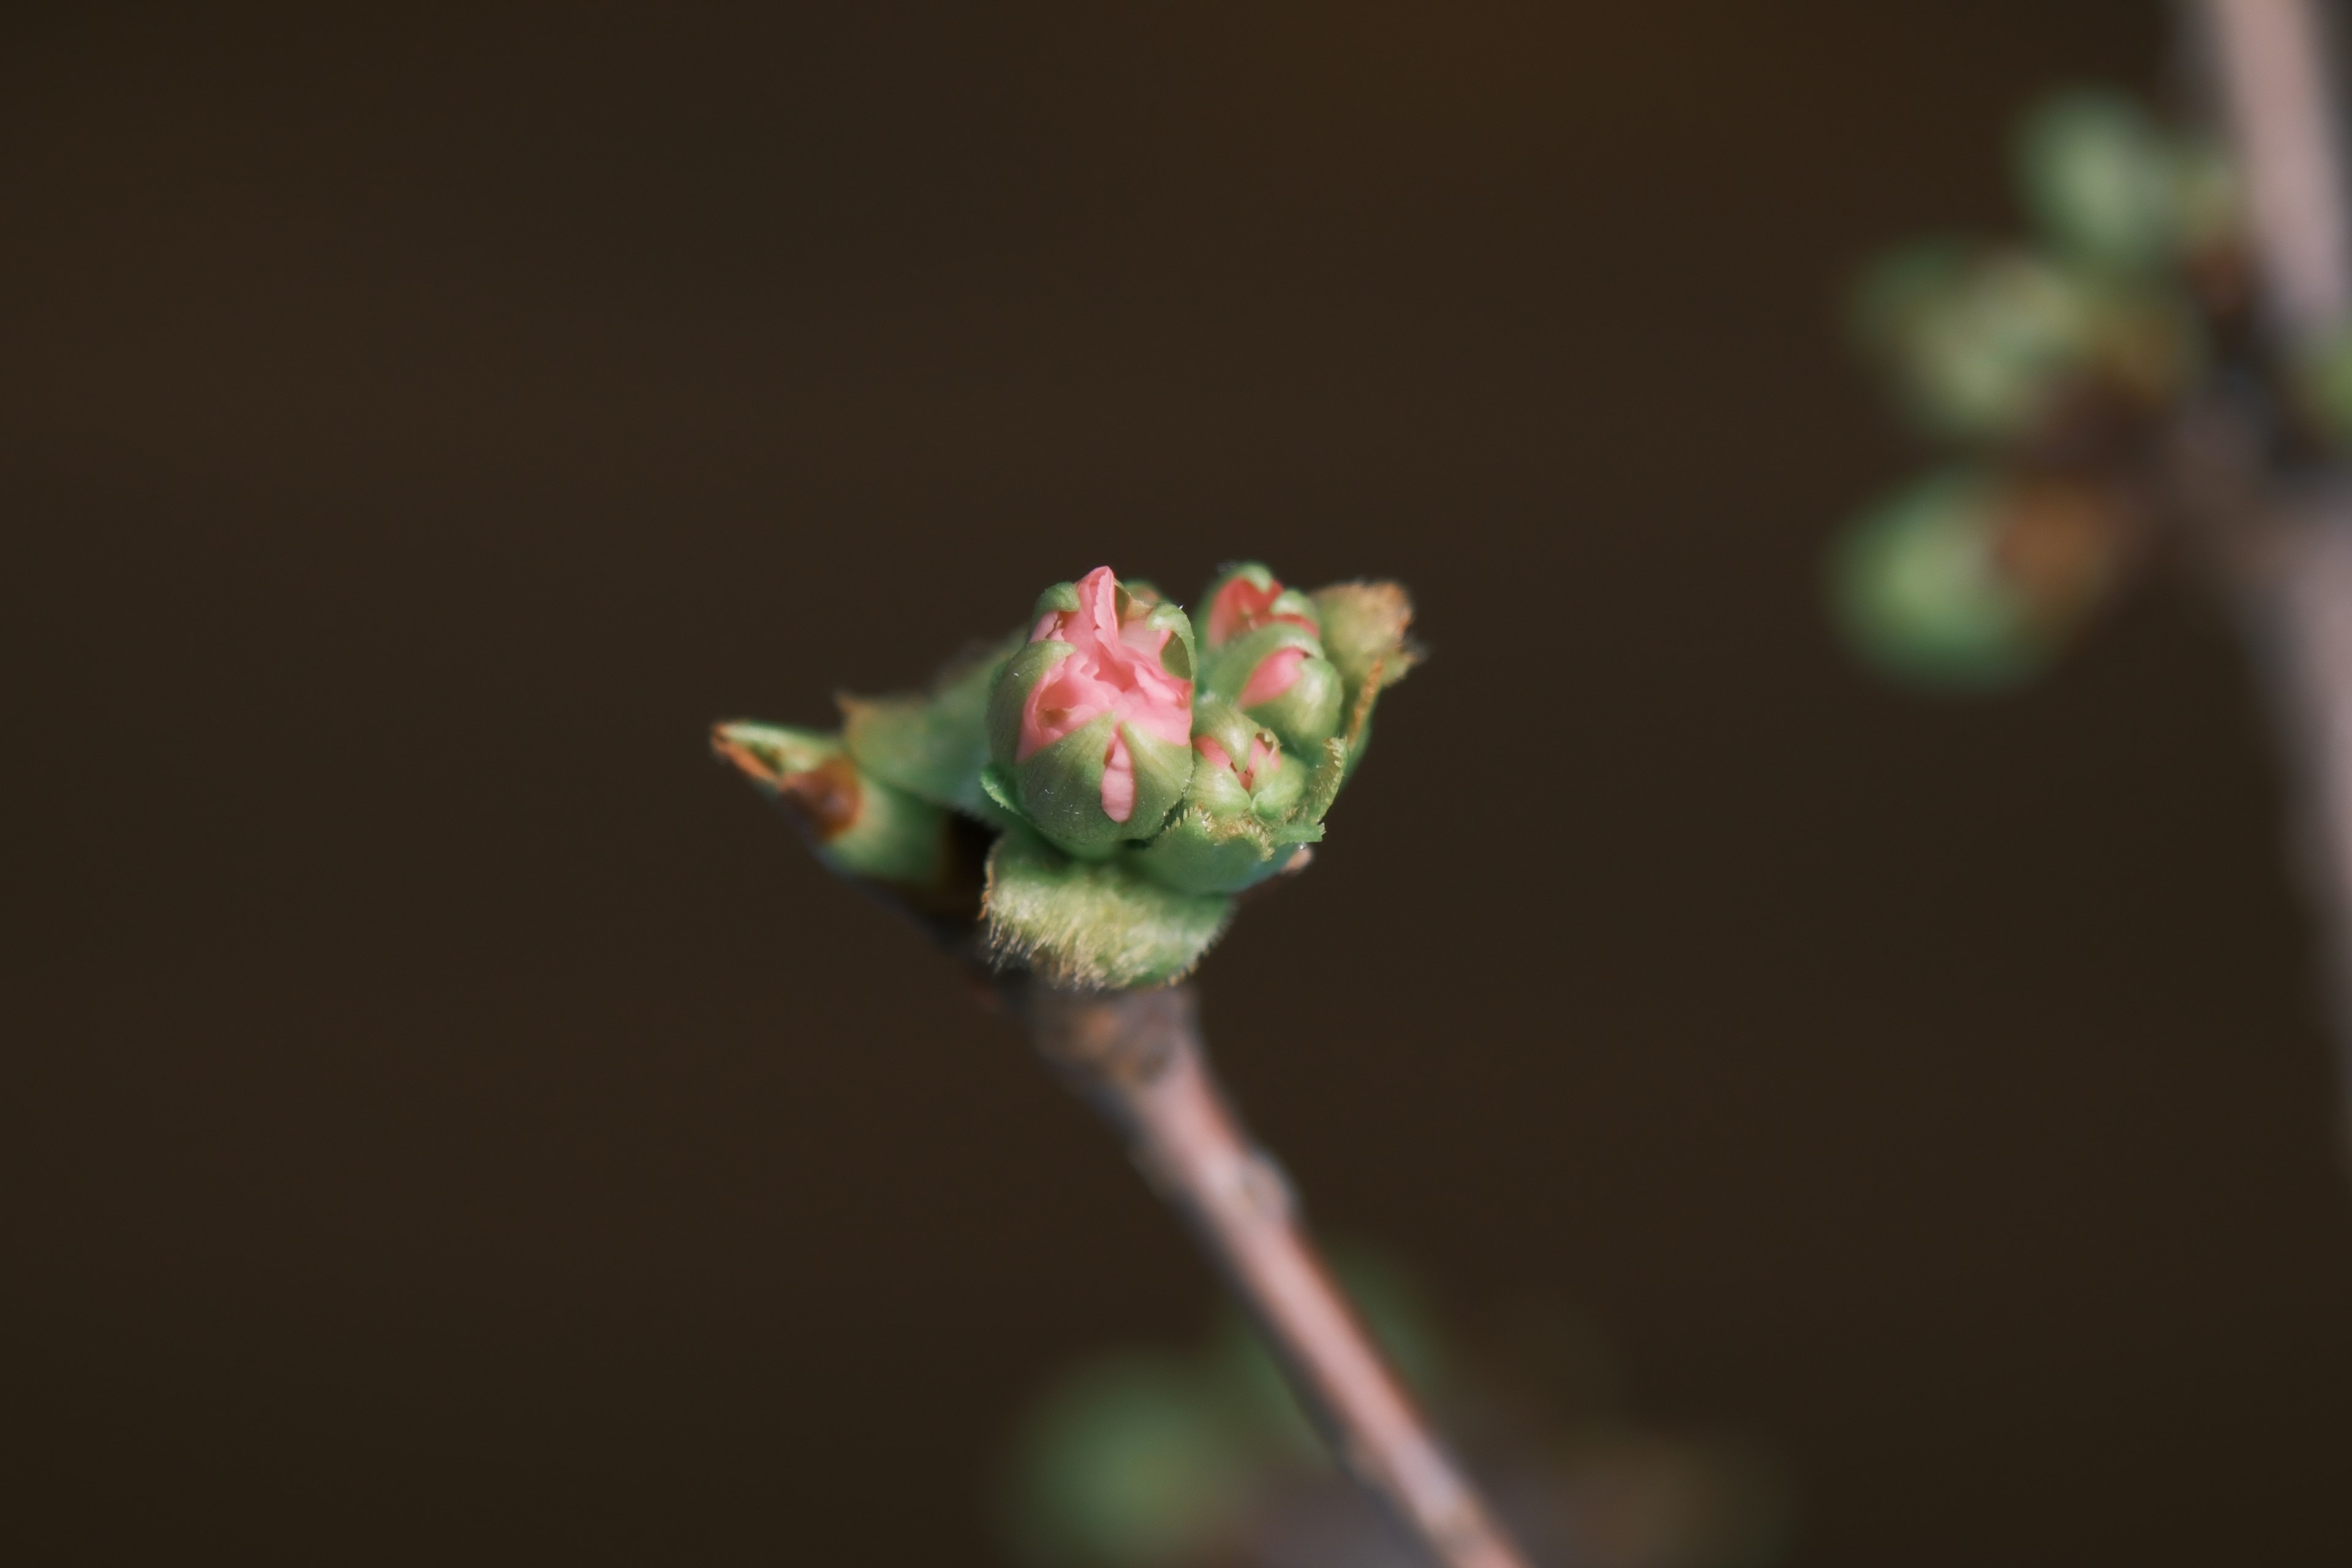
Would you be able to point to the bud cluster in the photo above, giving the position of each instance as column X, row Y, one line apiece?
column 1135, row 766
column 2071, row 370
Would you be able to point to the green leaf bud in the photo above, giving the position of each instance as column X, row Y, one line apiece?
column 2323, row 384
column 933, row 746
column 1980, row 342
column 859, row 826
column 1965, row 583
column 2102, row 181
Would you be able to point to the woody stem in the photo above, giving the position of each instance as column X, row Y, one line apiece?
column 1136, row 1056
column 2279, row 100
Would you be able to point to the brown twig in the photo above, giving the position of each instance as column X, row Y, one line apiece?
column 1136, row 1056
column 2270, row 70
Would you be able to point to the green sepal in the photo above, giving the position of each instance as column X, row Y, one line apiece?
column 1323, row 784
column 1092, row 925
column 1020, row 675
column 1271, row 797
column 1309, row 710
column 1180, row 657
column 932, row 746
column 997, row 785
column 1203, row 852
column 1286, row 601
column 1058, row 789
column 1061, row 599
column 1226, row 836
column 858, row 824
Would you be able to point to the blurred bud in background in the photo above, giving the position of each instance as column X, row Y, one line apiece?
column 1986, row 344
column 1971, row 580
column 2109, row 187
column 1169, row 1458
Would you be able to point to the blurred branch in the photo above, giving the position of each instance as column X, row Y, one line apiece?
column 2278, row 93
column 1136, row 1056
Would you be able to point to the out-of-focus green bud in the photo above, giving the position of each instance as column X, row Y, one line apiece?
column 1980, row 342
column 1965, row 583
column 859, row 826
column 2102, row 181
column 1092, row 925
column 933, row 746
column 2324, row 384
column 1367, row 636
column 1986, row 344
column 1133, row 1459
column 1090, row 724
column 2208, row 195
column 1241, row 819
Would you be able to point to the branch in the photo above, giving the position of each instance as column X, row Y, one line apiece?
column 1136, row 1056
column 2270, row 69
column 2279, row 100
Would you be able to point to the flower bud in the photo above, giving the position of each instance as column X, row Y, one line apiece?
column 1240, row 821
column 1366, row 637
column 2102, row 181
column 1967, row 581
column 858, row 825
column 1090, row 724
column 1261, row 650
column 1981, row 344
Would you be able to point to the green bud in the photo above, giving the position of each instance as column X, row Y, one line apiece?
column 1980, row 342
column 933, row 746
column 858, row 825
column 2207, row 195
column 1276, row 674
column 1367, row 638
column 1240, row 821
column 1963, row 582
column 1139, row 1460
column 1246, row 595
column 2102, row 181
column 2323, row 386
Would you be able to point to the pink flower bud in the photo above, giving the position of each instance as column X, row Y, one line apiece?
column 1246, row 600
column 1264, row 760
column 1114, row 671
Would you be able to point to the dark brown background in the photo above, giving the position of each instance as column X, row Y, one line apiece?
column 450, row 1118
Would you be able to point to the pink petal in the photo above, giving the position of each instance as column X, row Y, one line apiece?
column 1112, row 668
column 1275, row 675
column 1118, row 780
column 1239, row 606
